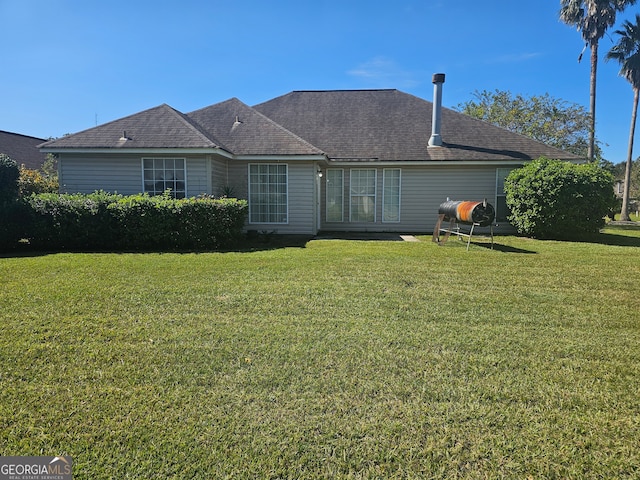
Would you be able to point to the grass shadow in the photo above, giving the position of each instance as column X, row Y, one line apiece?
column 613, row 239
column 503, row 248
column 361, row 236
column 247, row 243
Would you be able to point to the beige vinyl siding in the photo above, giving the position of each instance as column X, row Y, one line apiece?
column 83, row 174
column 301, row 197
column 197, row 179
column 423, row 189
column 219, row 177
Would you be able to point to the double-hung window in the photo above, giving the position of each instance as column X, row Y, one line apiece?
column 391, row 195
column 363, row 195
column 162, row 174
column 268, row 197
column 335, row 195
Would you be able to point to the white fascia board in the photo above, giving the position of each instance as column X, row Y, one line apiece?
column 436, row 163
column 428, row 163
column 280, row 158
column 142, row 151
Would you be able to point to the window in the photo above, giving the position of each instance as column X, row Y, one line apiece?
column 268, row 193
column 502, row 211
column 335, row 195
column 391, row 195
column 161, row 174
column 363, row 195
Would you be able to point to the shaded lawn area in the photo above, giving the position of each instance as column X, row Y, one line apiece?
column 338, row 359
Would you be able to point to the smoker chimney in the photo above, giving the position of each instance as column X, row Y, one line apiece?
column 436, row 139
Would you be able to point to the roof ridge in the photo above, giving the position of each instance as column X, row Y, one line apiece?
column 195, row 125
column 105, row 124
column 22, row 135
column 348, row 90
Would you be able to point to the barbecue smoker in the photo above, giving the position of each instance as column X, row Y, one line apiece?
column 475, row 214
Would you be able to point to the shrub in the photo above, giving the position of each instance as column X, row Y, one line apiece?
column 32, row 181
column 105, row 221
column 556, row 199
column 9, row 174
column 14, row 223
column 71, row 221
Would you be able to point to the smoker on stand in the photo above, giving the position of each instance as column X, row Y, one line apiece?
column 475, row 214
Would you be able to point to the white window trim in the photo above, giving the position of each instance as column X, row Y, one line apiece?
column 184, row 163
column 286, row 222
column 327, row 196
column 500, row 193
column 375, row 194
column 384, row 178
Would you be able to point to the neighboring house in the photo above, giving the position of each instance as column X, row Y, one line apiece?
column 357, row 160
column 23, row 149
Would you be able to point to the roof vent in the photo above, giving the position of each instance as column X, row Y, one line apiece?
column 124, row 137
column 436, row 139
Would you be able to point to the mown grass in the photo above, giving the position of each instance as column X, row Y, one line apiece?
column 342, row 359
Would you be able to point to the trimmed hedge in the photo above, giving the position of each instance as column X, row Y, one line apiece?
column 9, row 174
column 556, row 199
column 104, row 221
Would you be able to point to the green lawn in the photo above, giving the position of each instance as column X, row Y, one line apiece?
column 338, row 359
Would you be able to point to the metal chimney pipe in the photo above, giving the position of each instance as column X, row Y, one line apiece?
column 436, row 139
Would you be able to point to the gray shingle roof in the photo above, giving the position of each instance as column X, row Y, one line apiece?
column 244, row 131
column 158, row 127
column 389, row 125
column 356, row 125
column 22, row 148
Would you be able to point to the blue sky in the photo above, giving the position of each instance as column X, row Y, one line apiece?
column 69, row 64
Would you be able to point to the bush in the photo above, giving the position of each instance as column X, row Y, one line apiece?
column 32, row 181
column 104, row 221
column 556, row 199
column 72, row 221
column 14, row 223
column 9, row 174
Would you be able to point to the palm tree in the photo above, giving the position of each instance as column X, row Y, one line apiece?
column 592, row 18
column 627, row 53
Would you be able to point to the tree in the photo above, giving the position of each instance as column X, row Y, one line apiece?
column 592, row 18
column 549, row 120
column 556, row 199
column 627, row 53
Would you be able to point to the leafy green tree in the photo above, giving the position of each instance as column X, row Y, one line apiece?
column 549, row 120
column 592, row 18
column 557, row 199
column 627, row 53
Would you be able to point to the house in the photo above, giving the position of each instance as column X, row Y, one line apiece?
column 23, row 149
column 355, row 160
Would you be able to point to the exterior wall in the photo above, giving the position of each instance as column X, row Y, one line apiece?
column 197, row 180
column 84, row 173
column 423, row 188
column 422, row 191
column 80, row 173
column 220, row 179
column 301, row 196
